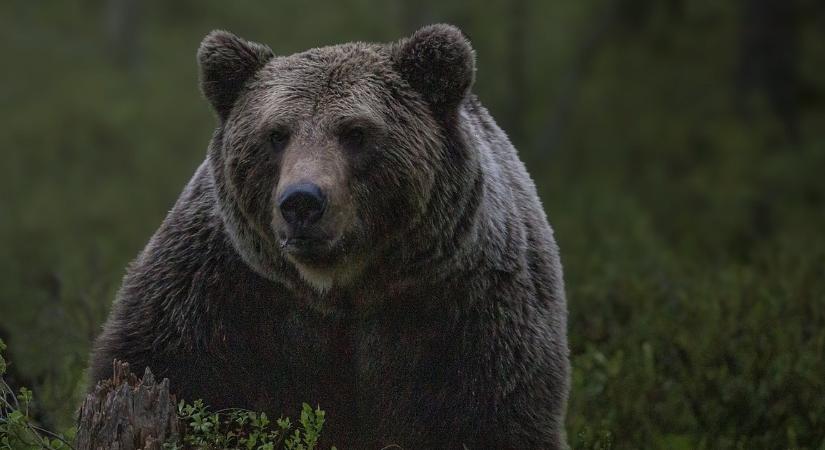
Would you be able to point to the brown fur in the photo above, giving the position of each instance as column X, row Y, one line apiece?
column 432, row 316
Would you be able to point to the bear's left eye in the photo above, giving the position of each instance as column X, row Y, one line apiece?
column 353, row 137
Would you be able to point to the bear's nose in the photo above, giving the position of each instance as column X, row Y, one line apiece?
column 302, row 204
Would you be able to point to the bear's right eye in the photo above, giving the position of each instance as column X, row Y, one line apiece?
column 279, row 138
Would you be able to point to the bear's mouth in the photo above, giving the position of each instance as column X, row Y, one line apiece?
column 305, row 248
column 301, row 244
column 317, row 249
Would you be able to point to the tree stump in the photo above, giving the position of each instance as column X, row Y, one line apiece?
column 127, row 413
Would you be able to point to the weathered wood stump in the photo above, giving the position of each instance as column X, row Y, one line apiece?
column 127, row 413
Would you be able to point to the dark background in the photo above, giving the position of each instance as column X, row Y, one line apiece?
column 678, row 146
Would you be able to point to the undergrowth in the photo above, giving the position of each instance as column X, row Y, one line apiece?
column 244, row 429
column 202, row 429
column 18, row 429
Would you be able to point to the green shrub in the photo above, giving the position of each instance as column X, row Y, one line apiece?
column 18, row 430
column 245, row 430
column 230, row 429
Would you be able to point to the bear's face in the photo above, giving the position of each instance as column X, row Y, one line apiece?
column 325, row 158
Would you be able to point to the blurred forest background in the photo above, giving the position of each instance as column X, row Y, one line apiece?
column 678, row 145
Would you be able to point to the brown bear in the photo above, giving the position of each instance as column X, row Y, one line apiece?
column 361, row 236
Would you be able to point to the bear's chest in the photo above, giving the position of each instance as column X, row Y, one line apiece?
column 418, row 373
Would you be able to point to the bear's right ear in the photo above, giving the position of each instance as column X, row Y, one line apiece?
column 226, row 63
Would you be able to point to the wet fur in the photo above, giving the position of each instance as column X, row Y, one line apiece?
column 452, row 331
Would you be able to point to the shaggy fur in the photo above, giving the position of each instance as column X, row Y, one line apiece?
column 433, row 315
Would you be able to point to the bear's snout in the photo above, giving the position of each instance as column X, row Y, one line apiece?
column 302, row 205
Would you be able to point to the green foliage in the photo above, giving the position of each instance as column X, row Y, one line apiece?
column 18, row 430
column 230, row 429
column 241, row 429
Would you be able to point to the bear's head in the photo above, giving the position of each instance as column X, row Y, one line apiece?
column 326, row 162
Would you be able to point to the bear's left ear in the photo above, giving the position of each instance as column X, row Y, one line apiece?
column 226, row 63
column 439, row 63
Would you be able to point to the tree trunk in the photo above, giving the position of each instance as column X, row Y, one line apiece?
column 588, row 49
column 517, row 46
column 123, row 29
column 768, row 60
column 127, row 413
